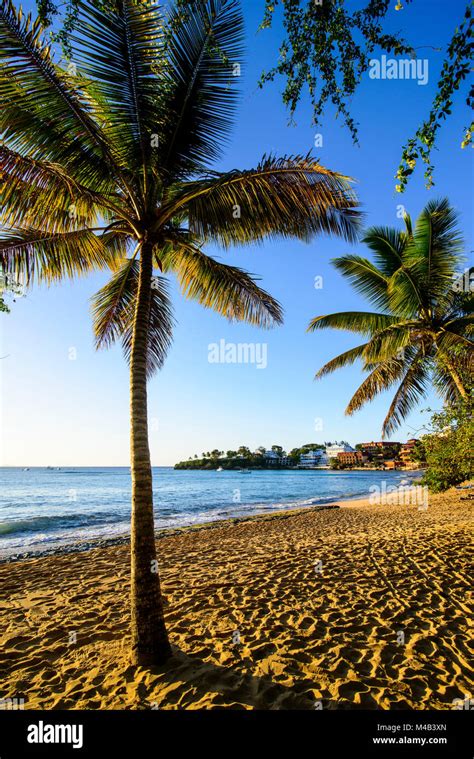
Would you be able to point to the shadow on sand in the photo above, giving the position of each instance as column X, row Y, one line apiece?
column 188, row 682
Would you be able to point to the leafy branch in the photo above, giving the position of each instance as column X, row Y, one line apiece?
column 328, row 49
column 456, row 68
column 321, row 52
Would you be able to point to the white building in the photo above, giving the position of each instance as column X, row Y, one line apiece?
column 272, row 456
column 332, row 451
column 314, row 458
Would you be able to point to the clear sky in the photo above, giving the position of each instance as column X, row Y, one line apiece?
column 58, row 411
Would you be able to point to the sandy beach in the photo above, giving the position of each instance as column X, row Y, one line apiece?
column 361, row 606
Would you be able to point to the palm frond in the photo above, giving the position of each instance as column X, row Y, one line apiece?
column 365, row 277
column 381, row 378
column 344, row 359
column 228, row 290
column 363, row 322
column 118, row 48
column 389, row 341
column 34, row 135
column 289, row 197
column 47, row 93
column 30, row 254
column 411, row 390
column 28, row 187
column 160, row 327
column 117, row 240
column 460, row 324
column 444, row 383
column 387, row 245
column 451, row 341
column 200, row 97
column 433, row 253
column 406, row 295
column 112, row 305
column 113, row 309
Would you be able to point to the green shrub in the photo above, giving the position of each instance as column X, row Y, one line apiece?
column 449, row 447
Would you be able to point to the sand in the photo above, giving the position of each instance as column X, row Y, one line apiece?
column 358, row 607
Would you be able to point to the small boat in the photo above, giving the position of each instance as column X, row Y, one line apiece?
column 219, row 469
column 26, row 468
column 245, row 471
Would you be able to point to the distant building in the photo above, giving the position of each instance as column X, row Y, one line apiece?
column 333, row 451
column 276, row 459
column 382, row 445
column 351, row 458
column 380, row 451
column 407, row 451
column 314, row 458
column 272, row 456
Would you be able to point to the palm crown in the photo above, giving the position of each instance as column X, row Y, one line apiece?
column 112, row 153
column 423, row 329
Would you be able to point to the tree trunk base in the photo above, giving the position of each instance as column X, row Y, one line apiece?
column 159, row 656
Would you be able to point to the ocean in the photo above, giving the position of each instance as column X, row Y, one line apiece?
column 44, row 510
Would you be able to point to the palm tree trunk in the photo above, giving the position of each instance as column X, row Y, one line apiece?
column 454, row 374
column 150, row 644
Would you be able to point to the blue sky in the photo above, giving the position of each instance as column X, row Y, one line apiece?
column 59, row 411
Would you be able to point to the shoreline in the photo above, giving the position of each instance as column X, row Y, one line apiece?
column 124, row 539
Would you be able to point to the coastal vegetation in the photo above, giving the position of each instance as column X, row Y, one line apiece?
column 448, row 446
column 243, row 457
column 421, row 333
column 118, row 146
column 374, row 455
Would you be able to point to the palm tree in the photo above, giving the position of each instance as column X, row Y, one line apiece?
column 107, row 164
column 423, row 329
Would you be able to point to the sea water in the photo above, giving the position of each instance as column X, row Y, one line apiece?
column 44, row 509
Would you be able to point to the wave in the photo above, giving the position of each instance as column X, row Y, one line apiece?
column 46, row 524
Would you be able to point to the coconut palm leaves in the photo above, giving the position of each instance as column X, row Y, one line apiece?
column 424, row 331
column 246, row 206
column 228, row 290
column 205, row 44
column 114, row 136
column 37, row 255
column 114, row 307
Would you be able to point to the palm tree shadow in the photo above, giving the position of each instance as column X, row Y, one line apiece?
column 187, row 682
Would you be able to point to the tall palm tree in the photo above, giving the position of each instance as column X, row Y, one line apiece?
column 107, row 165
column 423, row 329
